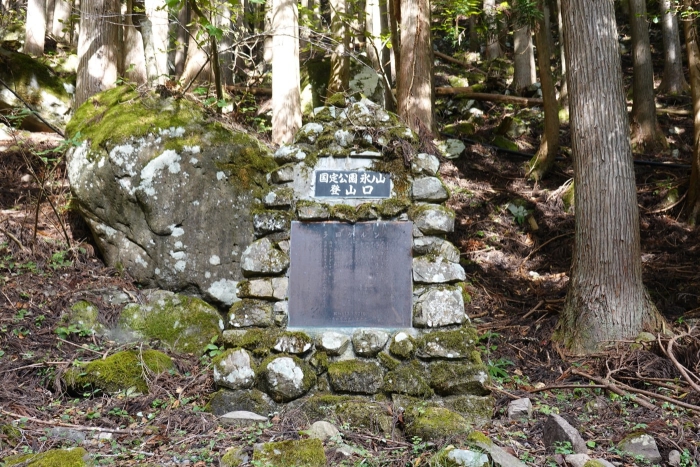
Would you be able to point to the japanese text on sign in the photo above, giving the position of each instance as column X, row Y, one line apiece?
column 349, row 184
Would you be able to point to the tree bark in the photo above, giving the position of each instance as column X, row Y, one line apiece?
column 377, row 24
column 493, row 47
column 563, row 90
column 606, row 300
column 672, row 81
column 154, row 30
column 179, row 47
column 646, row 133
column 97, row 48
column 415, row 78
column 61, row 22
column 524, row 57
column 197, row 63
column 134, row 59
column 692, row 47
column 286, row 99
column 35, row 28
column 340, row 61
column 394, row 19
column 224, row 21
column 540, row 164
column 474, row 45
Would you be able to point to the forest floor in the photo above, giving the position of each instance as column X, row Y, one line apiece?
column 517, row 275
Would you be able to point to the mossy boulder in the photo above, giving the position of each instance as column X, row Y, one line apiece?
column 233, row 457
column 153, row 177
column 456, row 344
column 37, row 85
column 181, row 323
column 224, row 401
column 258, row 341
column 119, row 372
column 355, row 411
column 250, row 312
column 234, row 369
column 74, row 457
column 402, row 345
column 504, row 143
column 296, row 453
column 409, row 378
column 286, row 378
column 434, row 423
column 355, row 376
column 448, row 378
column 84, row 316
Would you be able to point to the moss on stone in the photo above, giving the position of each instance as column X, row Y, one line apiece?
column 337, row 100
column 409, row 379
column 352, row 214
column 29, row 77
column 54, row 458
column 259, row 341
column 182, row 323
column 308, row 380
column 355, row 376
column 434, row 423
column 593, row 463
column 119, row 372
column 249, row 161
column 224, row 401
column 292, row 453
column 477, row 410
column 232, row 458
column 322, row 406
column 460, row 129
column 319, row 362
column 83, row 314
column 455, row 344
column 387, row 361
column 448, row 378
column 400, row 174
column 392, row 207
column 404, row 348
column 365, row 414
column 478, row 437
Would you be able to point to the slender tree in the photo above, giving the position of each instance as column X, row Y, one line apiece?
column 524, row 74
column 493, row 47
column 133, row 60
column 606, row 300
column 540, row 164
column 563, row 90
column 646, row 132
column 98, row 54
column 415, row 77
column 286, row 99
column 155, row 39
column 61, row 21
column 377, row 24
column 672, row 81
column 340, row 60
column 690, row 29
column 35, row 27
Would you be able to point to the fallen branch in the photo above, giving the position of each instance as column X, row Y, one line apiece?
column 654, row 395
column 14, row 239
column 567, row 386
column 67, row 425
column 447, row 58
column 617, row 390
column 482, row 96
column 669, row 353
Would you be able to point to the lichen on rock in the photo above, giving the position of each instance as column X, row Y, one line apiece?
column 355, row 376
column 286, row 378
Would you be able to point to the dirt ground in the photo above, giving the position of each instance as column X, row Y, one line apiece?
column 517, row 275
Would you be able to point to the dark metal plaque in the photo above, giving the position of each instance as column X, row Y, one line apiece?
column 351, row 275
column 351, row 184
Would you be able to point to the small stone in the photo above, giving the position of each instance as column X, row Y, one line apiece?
column 558, row 430
column 302, row 453
column 641, row 445
column 267, row 222
column 241, row 418
column 457, row 344
column 429, row 189
column 294, row 343
column 262, row 257
column 519, row 408
column 279, row 198
column 254, row 288
column 333, row 343
column 233, row 369
column 576, row 460
column 283, row 174
column 499, row 456
column 322, row 430
column 355, row 377
column 432, row 423
column 402, row 345
column 599, row 463
column 466, row 458
column 289, row 154
column 439, row 306
column 436, row 246
column 310, row 132
column 279, row 287
column 250, row 312
column 368, row 343
column 344, row 138
column 434, row 220
column 451, row 378
column 252, row 400
column 674, row 458
column 425, row 164
column 451, row 148
column 436, row 270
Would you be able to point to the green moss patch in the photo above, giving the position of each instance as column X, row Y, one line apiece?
column 30, row 77
column 293, row 453
column 54, row 458
column 183, row 324
column 83, row 315
column 453, row 344
column 119, row 372
column 259, row 341
column 409, row 379
column 355, row 376
column 449, row 378
column 434, row 423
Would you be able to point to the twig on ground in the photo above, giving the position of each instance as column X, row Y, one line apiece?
column 539, row 304
column 617, row 390
column 669, row 353
column 68, row 425
column 14, row 239
column 567, row 386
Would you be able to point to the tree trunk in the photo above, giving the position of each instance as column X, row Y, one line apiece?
column 377, row 24
column 154, row 30
column 134, row 60
column 340, row 61
column 691, row 44
column 474, row 45
column 267, row 26
column 179, row 47
column 673, row 81
column 35, row 28
column 524, row 57
column 606, row 300
column 646, row 133
column 97, row 48
column 224, row 21
column 394, row 19
column 493, row 47
column 197, row 64
column 415, row 77
column 61, row 22
column 563, row 91
column 286, row 98
column 540, row 164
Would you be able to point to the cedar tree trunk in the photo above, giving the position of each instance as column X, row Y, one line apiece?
column 673, row 81
column 691, row 44
column 286, row 98
column 340, row 61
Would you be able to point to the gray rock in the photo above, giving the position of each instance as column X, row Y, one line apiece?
column 287, row 378
column 436, row 270
column 466, row 458
column 312, row 212
column 558, row 430
column 641, row 445
column 344, row 138
column 674, row 458
column 457, row 378
column 283, row 175
column 262, row 257
column 233, row 369
column 279, row 198
column 499, row 456
column 449, row 345
column 434, row 220
column 241, row 418
column 451, row 148
column 576, row 460
column 267, row 222
column 355, row 377
column 287, row 154
column 293, row 344
column 333, row 343
column 272, row 288
column 322, row 430
column 519, row 408
column 250, row 312
column 603, row 463
column 436, row 246
column 66, row 434
column 368, row 342
column 439, row 306
column 157, row 211
column 252, row 400
column 429, row 189
column 309, row 132
column 425, row 164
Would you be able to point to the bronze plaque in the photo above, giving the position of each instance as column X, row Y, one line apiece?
column 351, row 275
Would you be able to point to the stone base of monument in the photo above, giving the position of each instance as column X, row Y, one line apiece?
column 353, row 304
